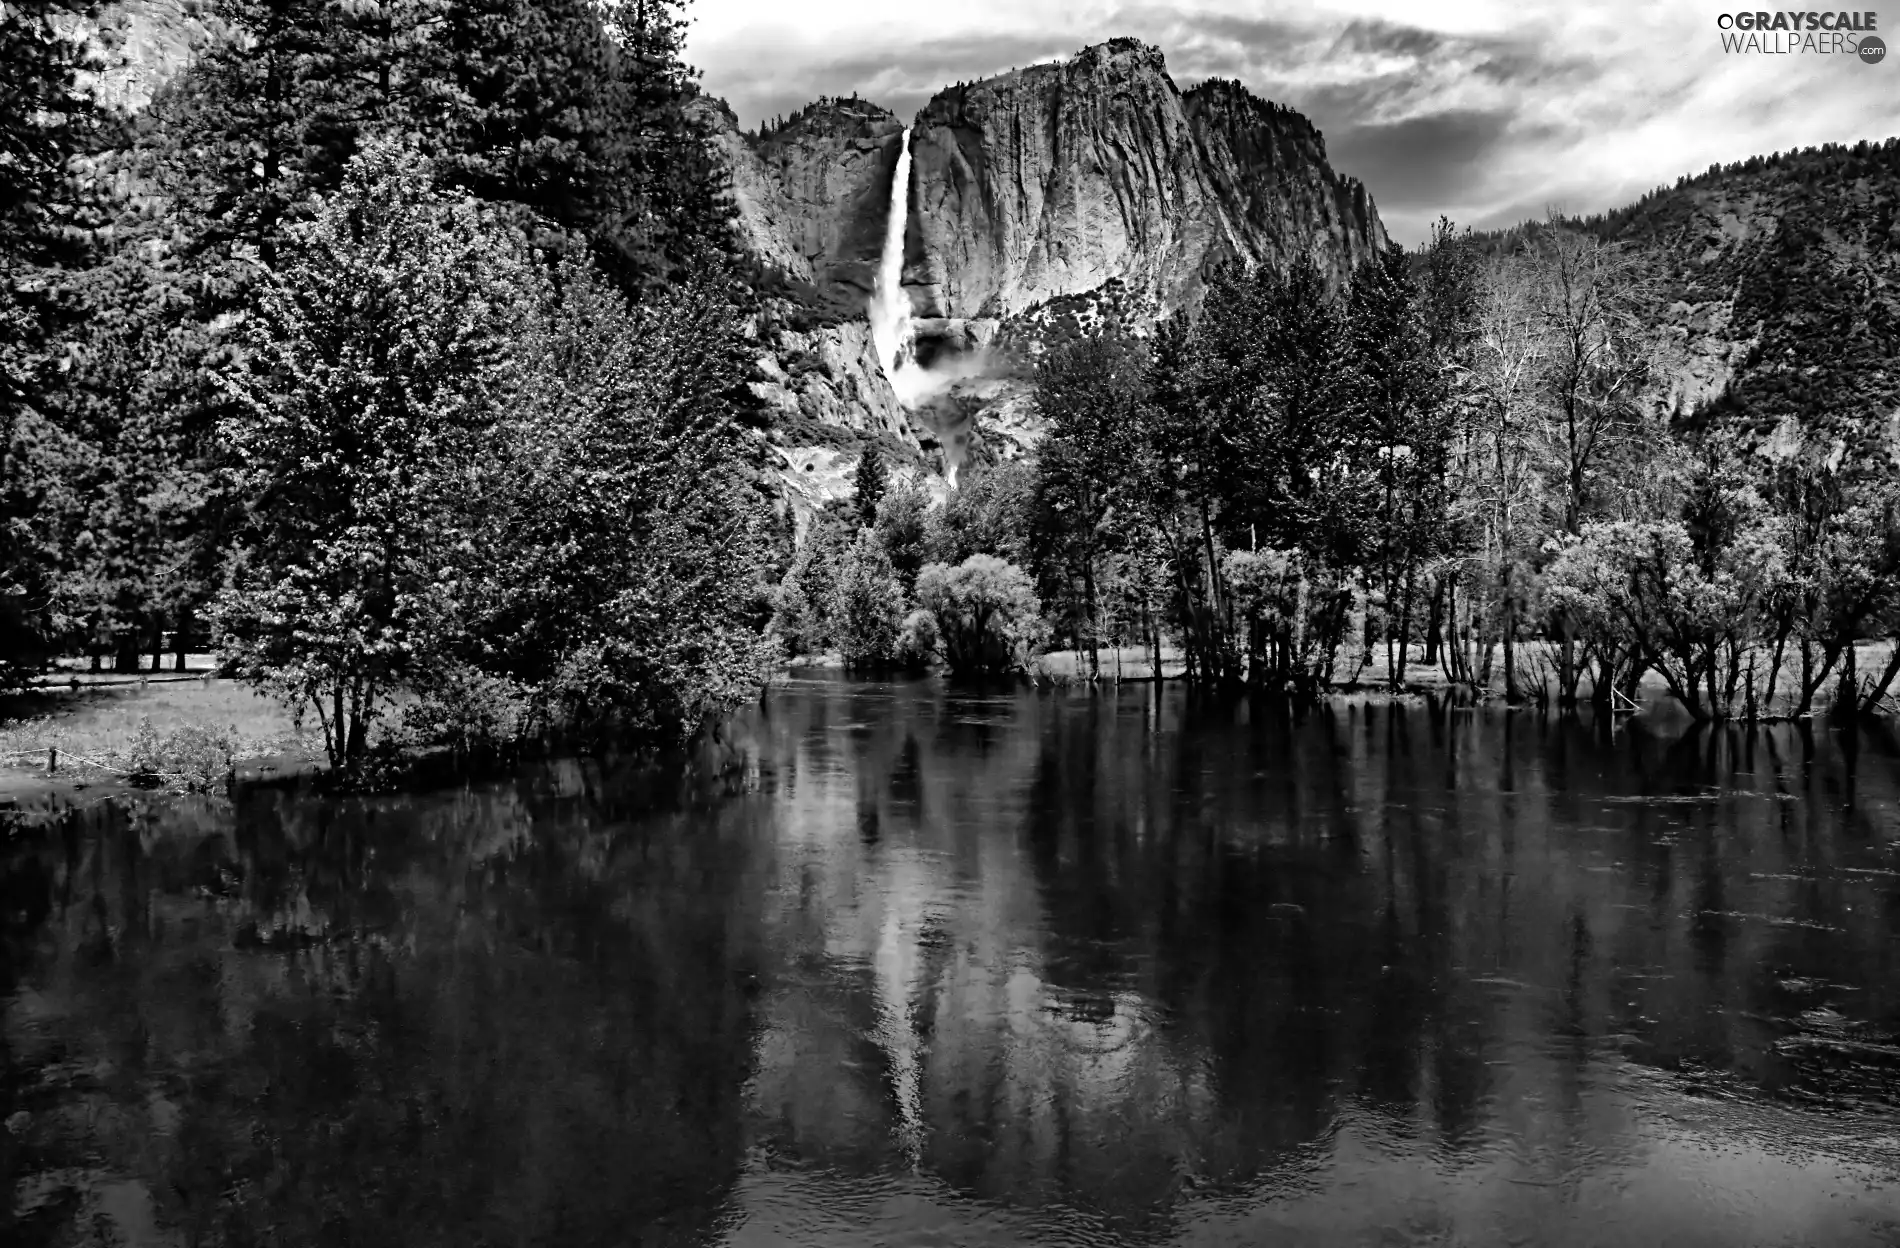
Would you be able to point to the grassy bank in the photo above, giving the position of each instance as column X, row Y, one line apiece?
column 185, row 731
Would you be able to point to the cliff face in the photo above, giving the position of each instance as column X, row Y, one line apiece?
column 141, row 45
column 813, row 194
column 1057, row 179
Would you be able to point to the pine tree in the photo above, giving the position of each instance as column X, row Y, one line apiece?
column 579, row 118
column 869, row 485
column 45, row 120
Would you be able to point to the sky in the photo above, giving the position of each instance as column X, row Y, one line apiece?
column 1489, row 111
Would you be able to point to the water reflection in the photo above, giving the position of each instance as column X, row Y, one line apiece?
column 986, row 968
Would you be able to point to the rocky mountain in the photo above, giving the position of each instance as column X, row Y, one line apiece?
column 1054, row 180
column 1777, row 288
column 813, row 191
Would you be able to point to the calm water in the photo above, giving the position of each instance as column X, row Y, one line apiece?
column 940, row 969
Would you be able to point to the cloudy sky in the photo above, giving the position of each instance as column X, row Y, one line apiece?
column 1488, row 111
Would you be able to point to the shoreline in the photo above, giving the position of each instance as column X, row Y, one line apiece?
column 99, row 723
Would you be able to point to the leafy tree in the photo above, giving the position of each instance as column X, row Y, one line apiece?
column 1494, row 463
column 1088, row 393
column 917, row 640
column 379, row 360
column 802, row 616
column 1403, row 398
column 986, row 614
column 1693, row 613
column 988, row 513
column 903, row 528
column 629, row 539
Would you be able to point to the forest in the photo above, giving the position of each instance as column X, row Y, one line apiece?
column 398, row 351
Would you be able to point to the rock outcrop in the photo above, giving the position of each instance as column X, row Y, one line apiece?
column 813, row 193
column 1057, row 179
column 831, row 376
column 140, row 46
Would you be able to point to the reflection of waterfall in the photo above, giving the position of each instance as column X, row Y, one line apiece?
column 897, row 973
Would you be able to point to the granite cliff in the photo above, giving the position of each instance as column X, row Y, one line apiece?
column 812, row 192
column 1056, row 179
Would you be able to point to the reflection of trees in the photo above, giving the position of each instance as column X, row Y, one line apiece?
column 1150, row 946
column 469, row 1017
column 1099, row 951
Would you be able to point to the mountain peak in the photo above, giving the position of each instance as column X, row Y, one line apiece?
column 831, row 118
column 1053, row 180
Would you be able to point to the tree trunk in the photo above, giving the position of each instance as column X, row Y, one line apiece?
column 1088, row 596
column 1774, row 672
column 1405, row 624
column 1871, row 703
column 1569, row 674
column 1510, row 650
column 339, row 754
column 126, row 656
column 1847, row 696
column 1813, row 678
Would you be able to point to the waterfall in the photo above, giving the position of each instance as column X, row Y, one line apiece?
column 891, row 331
column 894, row 337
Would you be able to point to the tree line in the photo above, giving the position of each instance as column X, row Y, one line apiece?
column 1466, row 460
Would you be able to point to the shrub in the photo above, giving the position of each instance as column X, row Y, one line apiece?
column 917, row 640
column 987, row 613
column 191, row 757
column 468, row 710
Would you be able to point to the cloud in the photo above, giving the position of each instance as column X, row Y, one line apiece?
column 902, row 79
column 1422, row 162
column 1487, row 110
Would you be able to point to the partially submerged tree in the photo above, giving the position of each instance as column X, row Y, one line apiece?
column 986, row 614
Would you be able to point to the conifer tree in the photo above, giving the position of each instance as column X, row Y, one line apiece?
column 45, row 120
column 869, row 484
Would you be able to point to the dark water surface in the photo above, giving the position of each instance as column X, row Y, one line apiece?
column 943, row 969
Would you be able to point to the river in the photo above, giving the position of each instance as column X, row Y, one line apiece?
column 931, row 967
